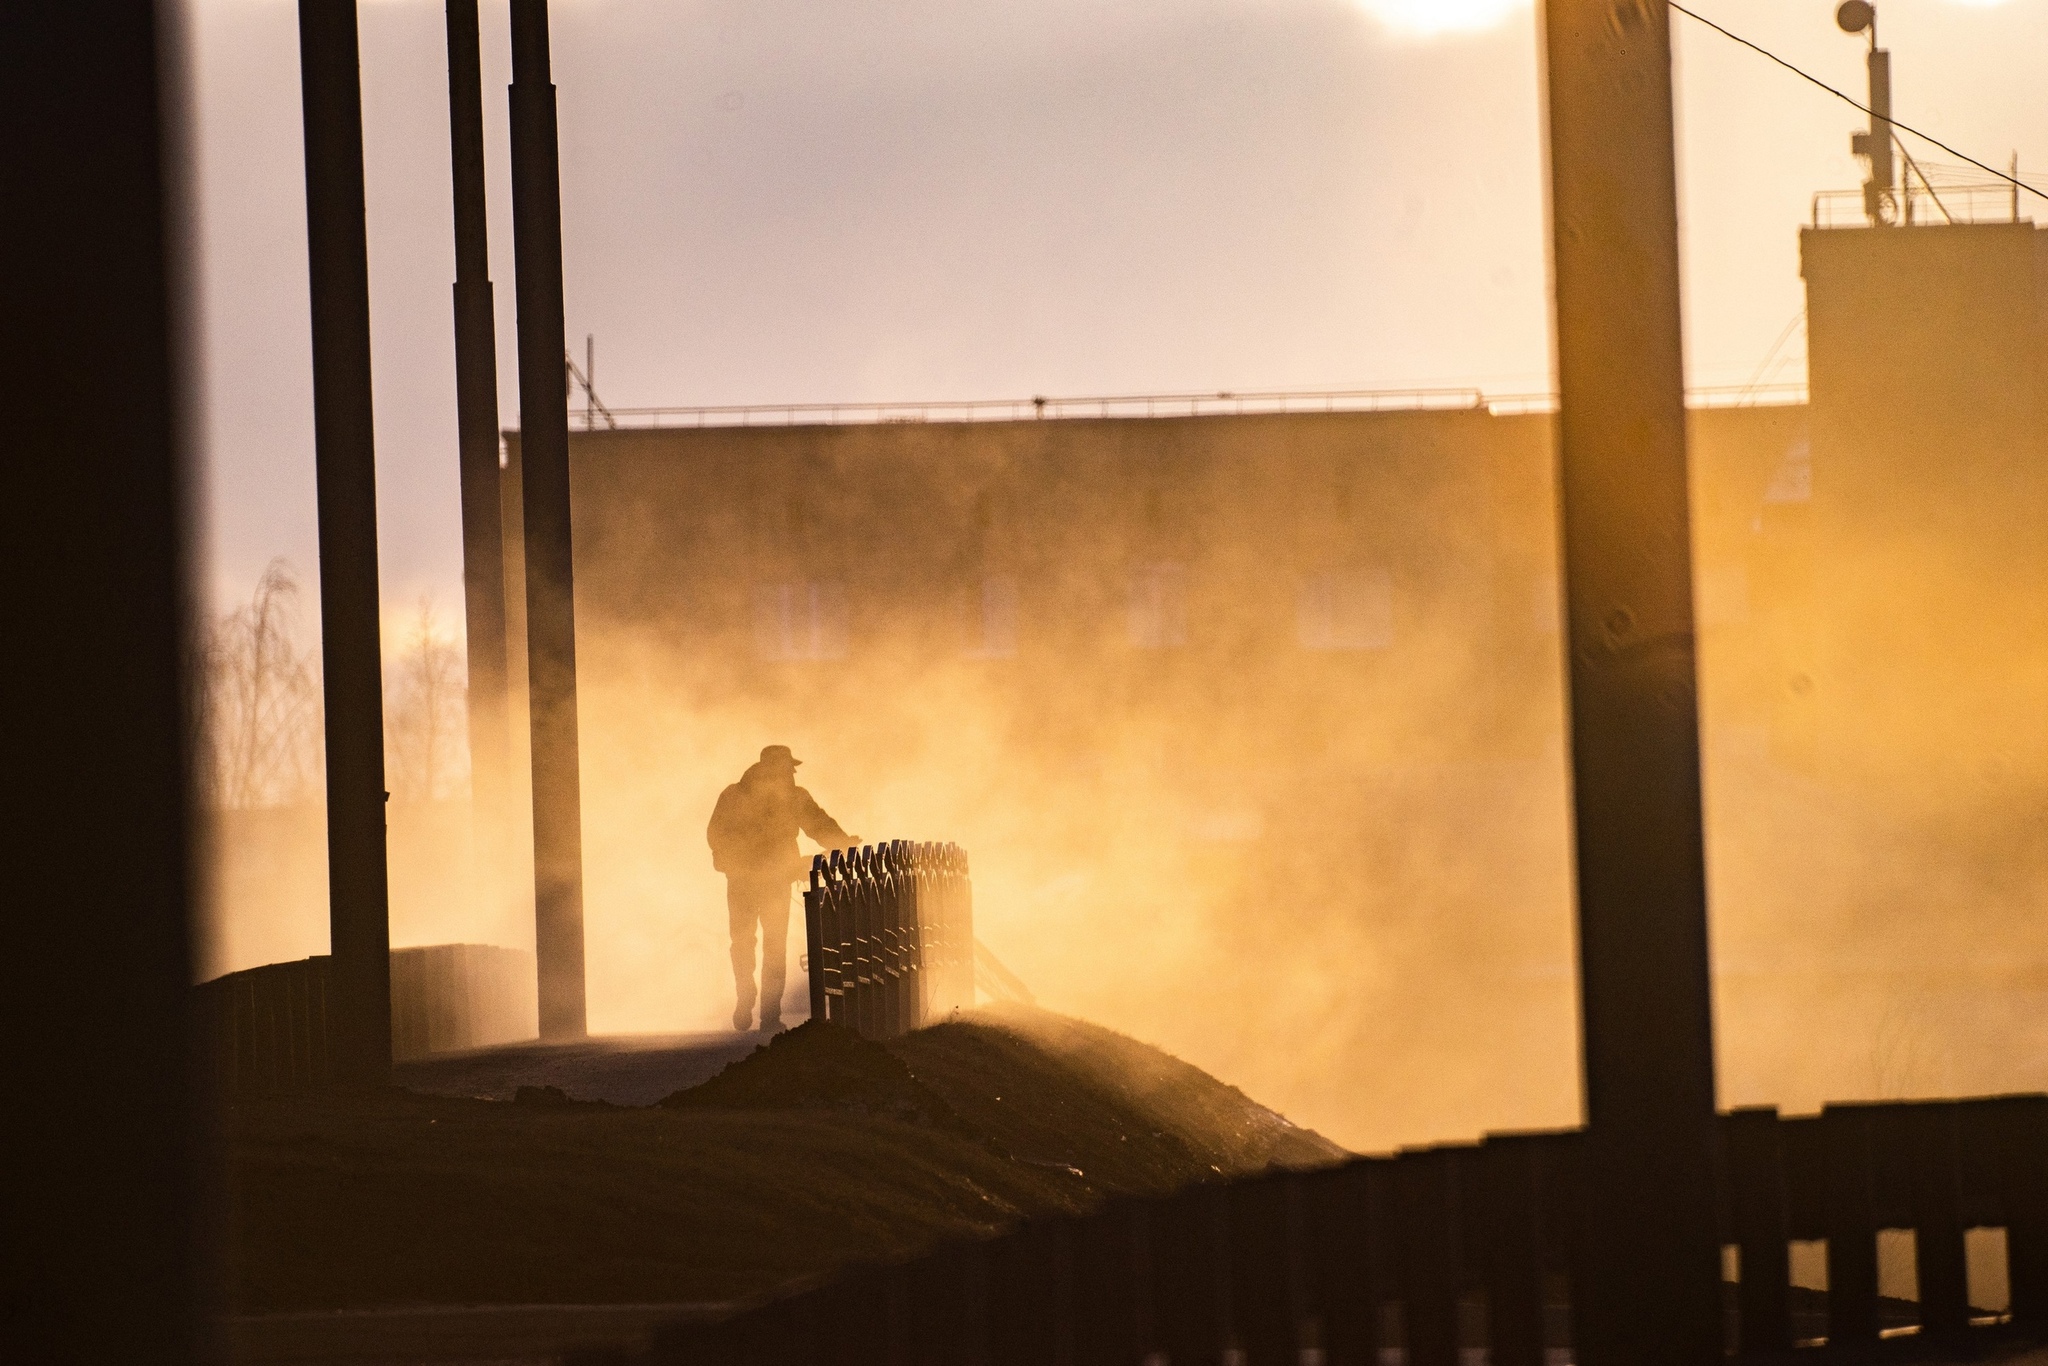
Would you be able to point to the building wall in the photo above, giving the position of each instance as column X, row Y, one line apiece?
column 1929, row 362
column 1253, row 725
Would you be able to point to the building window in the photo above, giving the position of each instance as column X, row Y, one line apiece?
column 805, row 620
column 1346, row 609
column 1159, row 606
column 997, row 637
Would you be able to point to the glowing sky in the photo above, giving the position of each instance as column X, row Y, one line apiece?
column 961, row 198
column 1434, row 18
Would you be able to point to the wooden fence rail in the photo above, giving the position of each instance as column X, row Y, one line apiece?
column 1434, row 1256
column 889, row 931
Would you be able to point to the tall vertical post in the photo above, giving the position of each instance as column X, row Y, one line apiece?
column 476, row 407
column 550, row 575
column 1647, row 1287
column 345, row 461
column 104, row 1198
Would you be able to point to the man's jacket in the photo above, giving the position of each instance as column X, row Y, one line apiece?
column 754, row 827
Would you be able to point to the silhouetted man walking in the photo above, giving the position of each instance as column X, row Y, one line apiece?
column 753, row 842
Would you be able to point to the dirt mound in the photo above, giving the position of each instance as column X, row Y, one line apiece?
column 1135, row 1118
column 820, row 1066
column 1049, row 1091
column 816, row 1151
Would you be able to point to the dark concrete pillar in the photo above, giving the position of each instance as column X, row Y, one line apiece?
column 1648, row 1280
column 344, row 453
column 99, row 1255
column 550, row 580
column 476, row 406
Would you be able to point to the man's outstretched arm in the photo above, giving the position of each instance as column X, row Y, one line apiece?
column 812, row 820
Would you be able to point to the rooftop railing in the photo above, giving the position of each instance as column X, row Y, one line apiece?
column 1921, row 206
column 1127, row 406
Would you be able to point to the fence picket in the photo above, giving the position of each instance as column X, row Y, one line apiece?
column 1755, row 1170
column 2020, row 1138
column 1507, row 1200
column 1427, row 1184
column 1267, row 1294
column 1851, row 1173
column 1930, row 1142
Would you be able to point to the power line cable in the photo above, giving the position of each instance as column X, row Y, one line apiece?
column 2010, row 180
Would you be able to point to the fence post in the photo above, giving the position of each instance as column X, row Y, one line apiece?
column 1507, row 1202
column 1756, row 1198
column 899, row 939
column 1029, row 1297
column 867, row 1328
column 878, row 944
column 2022, row 1146
column 942, row 1328
column 1345, row 1294
column 915, row 860
column 1267, row 1299
column 1111, row 1287
column 814, row 935
column 1935, row 1162
column 876, row 894
column 860, row 998
column 838, row 934
column 1426, row 1196
column 1190, row 1316
column 1847, row 1134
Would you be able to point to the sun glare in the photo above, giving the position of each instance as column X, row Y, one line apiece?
column 1437, row 18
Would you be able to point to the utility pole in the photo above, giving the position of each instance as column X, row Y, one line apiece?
column 476, row 407
column 344, row 452
column 1875, row 143
column 1647, row 1274
column 550, row 568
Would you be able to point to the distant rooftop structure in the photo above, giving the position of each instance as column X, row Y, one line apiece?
column 1947, row 195
column 1221, row 404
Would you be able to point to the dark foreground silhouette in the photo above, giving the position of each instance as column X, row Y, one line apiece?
column 816, row 1150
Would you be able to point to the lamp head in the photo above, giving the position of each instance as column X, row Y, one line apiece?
column 1855, row 15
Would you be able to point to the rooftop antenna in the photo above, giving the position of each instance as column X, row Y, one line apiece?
column 593, row 406
column 1875, row 143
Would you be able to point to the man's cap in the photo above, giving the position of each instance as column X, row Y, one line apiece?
column 779, row 754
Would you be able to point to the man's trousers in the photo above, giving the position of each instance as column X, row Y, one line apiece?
column 753, row 899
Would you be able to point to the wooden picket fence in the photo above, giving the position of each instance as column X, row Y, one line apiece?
column 889, row 934
column 1445, row 1256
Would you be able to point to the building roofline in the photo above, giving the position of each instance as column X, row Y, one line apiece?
column 1301, row 402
